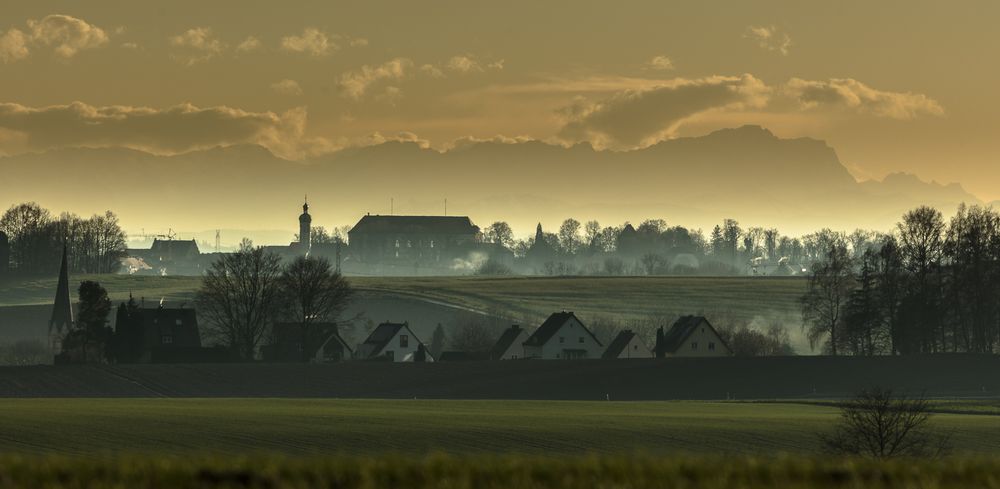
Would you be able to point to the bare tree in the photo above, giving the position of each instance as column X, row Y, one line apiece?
column 313, row 293
column 880, row 424
column 240, row 296
column 827, row 293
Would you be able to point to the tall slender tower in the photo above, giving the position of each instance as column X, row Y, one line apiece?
column 305, row 228
column 4, row 254
column 62, row 309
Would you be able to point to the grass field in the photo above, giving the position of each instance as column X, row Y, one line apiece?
column 525, row 297
column 503, row 472
column 373, row 428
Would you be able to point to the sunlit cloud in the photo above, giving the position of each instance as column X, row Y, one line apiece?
column 196, row 45
column 852, row 94
column 66, row 35
column 171, row 130
column 769, row 38
column 13, row 46
column 312, row 41
column 660, row 63
column 354, row 84
column 287, row 87
column 249, row 44
column 639, row 117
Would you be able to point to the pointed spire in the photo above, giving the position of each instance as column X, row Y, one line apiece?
column 538, row 232
column 62, row 309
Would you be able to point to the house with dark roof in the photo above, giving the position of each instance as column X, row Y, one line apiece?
column 317, row 342
column 169, row 257
column 393, row 342
column 412, row 239
column 627, row 345
column 562, row 337
column 151, row 335
column 691, row 336
column 510, row 345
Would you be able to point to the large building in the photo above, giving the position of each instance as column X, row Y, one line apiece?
column 412, row 240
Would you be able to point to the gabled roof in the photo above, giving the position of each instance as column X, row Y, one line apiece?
column 548, row 329
column 682, row 329
column 619, row 344
column 381, row 336
column 506, row 340
column 376, row 224
column 171, row 247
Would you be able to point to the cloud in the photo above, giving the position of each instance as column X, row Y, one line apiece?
column 287, row 87
column 69, row 35
column 358, row 42
column 639, row 117
column 354, row 84
column 312, row 41
column 199, row 45
column 469, row 64
column 377, row 138
column 852, row 94
column 432, row 71
column 768, row 37
column 131, row 46
column 660, row 63
column 171, row 130
column 249, row 44
column 13, row 46
column 66, row 35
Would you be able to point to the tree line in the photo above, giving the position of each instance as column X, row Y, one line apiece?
column 36, row 237
column 245, row 293
column 930, row 286
column 656, row 248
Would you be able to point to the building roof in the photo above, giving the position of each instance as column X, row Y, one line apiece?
column 376, row 224
column 682, row 329
column 505, row 341
column 619, row 344
column 380, row 337
column 174, row 247
column 548, row 329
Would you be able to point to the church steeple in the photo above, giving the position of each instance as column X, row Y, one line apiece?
column 305, row 227
column 62, row 310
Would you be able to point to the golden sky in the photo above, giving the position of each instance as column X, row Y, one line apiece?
column 892, row 86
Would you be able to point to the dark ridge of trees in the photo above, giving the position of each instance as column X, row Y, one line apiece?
column 931, row 287
column 653, row 247
column 96, row 244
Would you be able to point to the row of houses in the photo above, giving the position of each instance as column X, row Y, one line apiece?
column 561, row 337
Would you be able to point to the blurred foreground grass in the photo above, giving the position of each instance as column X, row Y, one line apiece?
column 485, row 472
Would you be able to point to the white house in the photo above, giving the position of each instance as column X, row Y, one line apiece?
column 627, row 345
column 691, row 336
column 562, row 337
column 394, row 342
column 510, row 346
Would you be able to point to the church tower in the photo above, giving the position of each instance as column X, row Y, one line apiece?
column 62, row 310
column 305, row 228
column 4, row 254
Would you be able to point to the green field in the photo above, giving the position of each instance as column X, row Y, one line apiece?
column 370, row 427
column 498, row 472
column 524, row 297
